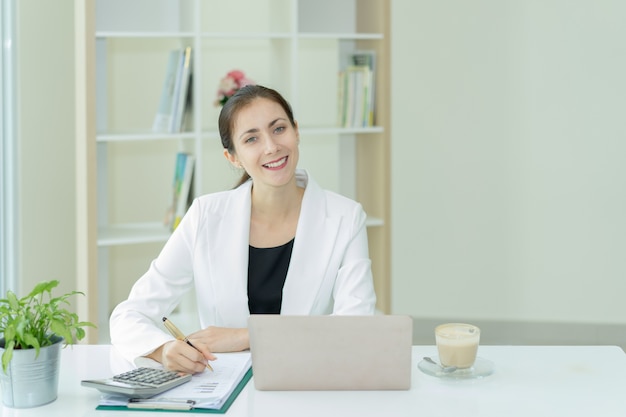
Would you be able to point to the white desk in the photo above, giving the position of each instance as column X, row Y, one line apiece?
column 528, row 381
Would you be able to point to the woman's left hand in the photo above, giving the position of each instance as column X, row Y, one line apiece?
column 222, row 339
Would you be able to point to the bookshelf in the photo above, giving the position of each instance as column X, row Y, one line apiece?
column 294, row 46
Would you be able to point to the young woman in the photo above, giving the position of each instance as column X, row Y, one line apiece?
column 276, row 244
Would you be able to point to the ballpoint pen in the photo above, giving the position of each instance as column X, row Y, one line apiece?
column 179, row 335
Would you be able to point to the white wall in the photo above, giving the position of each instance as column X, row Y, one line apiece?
column 509, row 160
column 46, row 200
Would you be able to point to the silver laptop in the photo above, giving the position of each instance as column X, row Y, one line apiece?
column 331, row 352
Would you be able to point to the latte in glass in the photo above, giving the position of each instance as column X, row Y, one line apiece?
column 457, row 344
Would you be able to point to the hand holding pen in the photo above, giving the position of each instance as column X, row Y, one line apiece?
column 180, row 335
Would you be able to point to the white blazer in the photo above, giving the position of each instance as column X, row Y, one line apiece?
column 329, row 271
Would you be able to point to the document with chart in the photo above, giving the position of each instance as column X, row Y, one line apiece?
column 207, row 390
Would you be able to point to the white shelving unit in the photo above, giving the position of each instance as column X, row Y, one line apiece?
column 294, row 46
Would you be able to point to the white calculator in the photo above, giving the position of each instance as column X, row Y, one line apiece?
column 139, row 383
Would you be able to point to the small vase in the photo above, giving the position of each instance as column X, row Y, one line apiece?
column 29, row 381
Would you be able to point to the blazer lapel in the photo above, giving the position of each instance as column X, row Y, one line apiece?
column 315, row 238
column 229, row 259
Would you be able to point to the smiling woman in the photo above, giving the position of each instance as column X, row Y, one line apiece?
column 238, row 124
column 261, row 137
column 276, row 244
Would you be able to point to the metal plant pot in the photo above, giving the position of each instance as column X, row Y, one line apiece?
column 30, row 382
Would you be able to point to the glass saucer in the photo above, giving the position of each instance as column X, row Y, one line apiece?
column 482, row 368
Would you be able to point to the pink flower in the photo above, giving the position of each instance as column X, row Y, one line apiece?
column 233, row 81
column 236, row 75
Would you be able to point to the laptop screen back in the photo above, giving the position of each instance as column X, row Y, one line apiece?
column 331, row 352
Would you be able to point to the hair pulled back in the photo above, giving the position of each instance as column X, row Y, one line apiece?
column 241, row 99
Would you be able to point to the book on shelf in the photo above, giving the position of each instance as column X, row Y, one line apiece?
column 355, row 103
column 367, row 58
column 341, row 93
column 182, row 186
column 182, row 93
column 163, row 117
column 357, row 90
column 175, row 94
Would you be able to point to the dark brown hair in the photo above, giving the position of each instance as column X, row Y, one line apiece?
column 242, row 98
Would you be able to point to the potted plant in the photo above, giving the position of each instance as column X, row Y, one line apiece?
column 33, row 328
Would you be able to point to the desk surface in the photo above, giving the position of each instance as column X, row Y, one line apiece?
column 528, row 381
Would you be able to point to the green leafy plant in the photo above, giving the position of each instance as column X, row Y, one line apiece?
column 31, row 322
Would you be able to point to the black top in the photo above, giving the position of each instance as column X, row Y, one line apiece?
column 267, row 271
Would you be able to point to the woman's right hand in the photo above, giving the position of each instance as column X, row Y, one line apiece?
column 179, row 356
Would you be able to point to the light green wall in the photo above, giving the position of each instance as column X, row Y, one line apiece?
column 45, row 47
column 508, row 160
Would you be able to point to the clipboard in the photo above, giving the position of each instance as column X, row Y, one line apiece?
column 233, row 396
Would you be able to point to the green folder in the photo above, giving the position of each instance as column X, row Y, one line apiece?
column 222, row 410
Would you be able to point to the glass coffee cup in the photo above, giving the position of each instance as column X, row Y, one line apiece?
column 457, row 344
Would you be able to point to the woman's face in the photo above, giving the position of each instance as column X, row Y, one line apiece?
column 265, row 142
